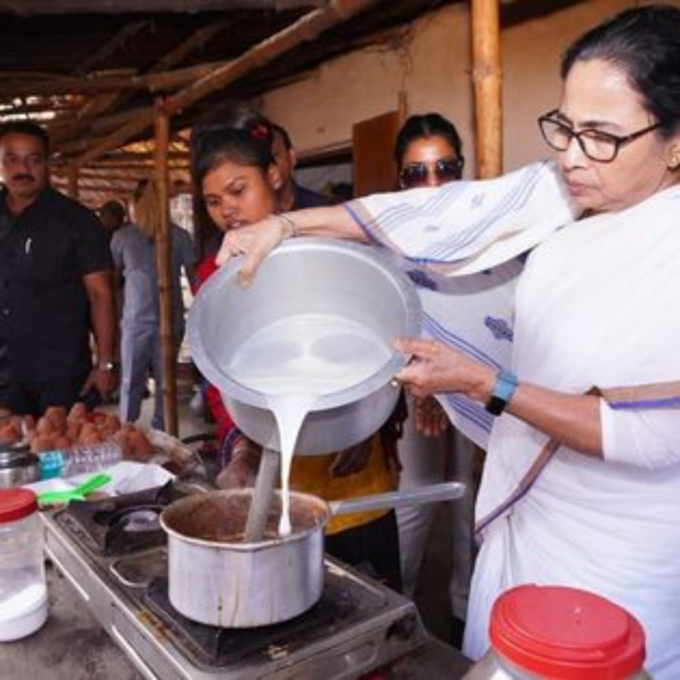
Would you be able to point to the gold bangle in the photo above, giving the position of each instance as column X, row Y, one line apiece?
column 289, row 222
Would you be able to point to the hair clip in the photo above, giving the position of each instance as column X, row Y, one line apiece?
column 260, row 131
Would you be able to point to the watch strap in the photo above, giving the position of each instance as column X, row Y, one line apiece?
column 502, row 393
column 107, row 366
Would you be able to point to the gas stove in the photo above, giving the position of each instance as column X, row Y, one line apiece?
column 113, row 552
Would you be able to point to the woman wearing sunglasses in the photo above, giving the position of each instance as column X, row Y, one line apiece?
column 429, row 153
column 582, row 476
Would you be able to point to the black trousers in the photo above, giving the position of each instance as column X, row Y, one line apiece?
column 33, row 398
column 372, row 548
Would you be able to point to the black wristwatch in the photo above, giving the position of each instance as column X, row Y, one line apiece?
column 107, row 366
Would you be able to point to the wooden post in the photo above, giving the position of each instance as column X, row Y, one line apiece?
column 164, row 267
column 487, row 81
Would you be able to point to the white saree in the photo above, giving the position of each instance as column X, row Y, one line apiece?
column 598, row 305
column 468, row 235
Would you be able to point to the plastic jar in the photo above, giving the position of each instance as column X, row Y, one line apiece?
column 540, row 632
column 23, row 590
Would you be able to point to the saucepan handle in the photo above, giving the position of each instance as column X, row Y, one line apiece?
column 433, row 493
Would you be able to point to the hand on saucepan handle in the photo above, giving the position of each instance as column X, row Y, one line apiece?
column 254, row 242
column 435, row 368
column 350, row 461
column 430, row 418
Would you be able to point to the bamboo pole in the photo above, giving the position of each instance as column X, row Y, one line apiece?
column 120, row 137
column 487, row 82
column 142, row 165
column 104, row 7
column 111, row 46
column 111, row 174
column 90, row 113
column 306, row 28
column 47, row 85
column 110, row 186
column 164, row 267
column 196, row 40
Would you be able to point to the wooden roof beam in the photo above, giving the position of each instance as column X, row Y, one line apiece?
column 105, row 101
column 305, row 29
column 14, row 85
column 103, row 185
column 37, row 7
column 111, row 46
column 196, row 41
column 136, row 166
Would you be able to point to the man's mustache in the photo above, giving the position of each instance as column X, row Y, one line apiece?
column 19, row 177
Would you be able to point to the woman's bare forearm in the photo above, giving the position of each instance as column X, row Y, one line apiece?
column 572, row 420
column 330, row 221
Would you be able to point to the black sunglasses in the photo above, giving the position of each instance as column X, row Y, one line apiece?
column 445, row 170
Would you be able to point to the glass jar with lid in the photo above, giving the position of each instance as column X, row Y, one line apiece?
column 23, row 590
column 561, row 633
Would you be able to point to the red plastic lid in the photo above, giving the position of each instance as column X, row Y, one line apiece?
column 566, row 634
column 16, row 504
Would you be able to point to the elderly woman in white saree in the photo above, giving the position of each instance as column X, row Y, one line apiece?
column 582, row 480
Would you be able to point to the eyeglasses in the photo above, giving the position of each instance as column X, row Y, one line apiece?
column 601, row 147
column 445, row 170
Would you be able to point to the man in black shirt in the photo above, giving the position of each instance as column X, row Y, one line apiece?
column 55, row 284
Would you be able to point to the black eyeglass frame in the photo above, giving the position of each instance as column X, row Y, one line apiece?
column 616, row 140
column 457, row 165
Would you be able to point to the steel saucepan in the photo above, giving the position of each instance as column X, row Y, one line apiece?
column 216, row 579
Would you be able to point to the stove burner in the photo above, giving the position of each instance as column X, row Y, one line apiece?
column 220, row 647
column 137, row 520
column 125, row 577
column 120, row 525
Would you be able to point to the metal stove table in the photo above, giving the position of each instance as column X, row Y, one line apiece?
column 357, row 626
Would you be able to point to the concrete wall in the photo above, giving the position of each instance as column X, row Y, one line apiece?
column 429, row 62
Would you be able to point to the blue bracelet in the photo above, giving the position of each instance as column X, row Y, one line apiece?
column 503, row 390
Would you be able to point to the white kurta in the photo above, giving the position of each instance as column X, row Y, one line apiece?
column 598, row 304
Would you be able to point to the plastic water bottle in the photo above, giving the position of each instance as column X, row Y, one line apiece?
column 79, row 459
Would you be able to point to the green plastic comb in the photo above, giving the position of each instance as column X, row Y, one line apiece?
column 76, row 494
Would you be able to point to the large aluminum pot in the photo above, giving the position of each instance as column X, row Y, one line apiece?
column 217, row 579
column 307, row 277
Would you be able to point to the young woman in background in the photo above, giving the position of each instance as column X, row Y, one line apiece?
column 429, row 153
column 236, row 183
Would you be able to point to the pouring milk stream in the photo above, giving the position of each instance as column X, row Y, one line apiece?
column 298, row 359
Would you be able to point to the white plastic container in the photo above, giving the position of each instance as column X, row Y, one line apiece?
column 23, row 589
column 560, row 633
